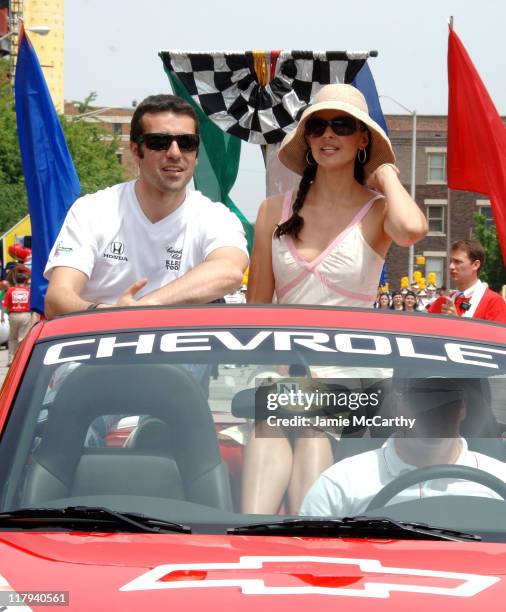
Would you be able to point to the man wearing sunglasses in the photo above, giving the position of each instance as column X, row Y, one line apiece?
column 150, row 241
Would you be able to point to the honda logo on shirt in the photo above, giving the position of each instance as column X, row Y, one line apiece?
column 311, row 575
column 117, row 248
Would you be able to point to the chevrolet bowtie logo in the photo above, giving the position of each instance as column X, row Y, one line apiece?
column 377, row 581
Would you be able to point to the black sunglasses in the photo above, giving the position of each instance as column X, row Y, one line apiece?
column 342, row 126
column 187, row 143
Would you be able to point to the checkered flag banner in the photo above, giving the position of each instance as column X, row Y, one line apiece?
column 259, row 96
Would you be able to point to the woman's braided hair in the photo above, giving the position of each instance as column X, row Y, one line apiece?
column 294, row 224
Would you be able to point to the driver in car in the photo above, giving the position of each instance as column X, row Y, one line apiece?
column 437, row 406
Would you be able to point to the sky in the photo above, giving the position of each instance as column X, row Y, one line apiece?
column 111, row 47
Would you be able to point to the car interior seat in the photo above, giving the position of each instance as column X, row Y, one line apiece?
column 174, row 454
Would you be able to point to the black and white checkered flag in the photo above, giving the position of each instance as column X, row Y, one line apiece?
column 226, row 87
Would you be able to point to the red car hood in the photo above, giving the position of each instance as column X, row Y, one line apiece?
column 176, row 572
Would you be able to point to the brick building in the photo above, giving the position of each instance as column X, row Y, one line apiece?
column 116, row 121
column 431, row 195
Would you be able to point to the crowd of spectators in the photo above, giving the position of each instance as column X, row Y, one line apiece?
column 416, row 299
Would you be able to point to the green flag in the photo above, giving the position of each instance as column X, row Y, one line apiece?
column 216, row 172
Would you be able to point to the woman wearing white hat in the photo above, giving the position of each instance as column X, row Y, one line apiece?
column 326, row 245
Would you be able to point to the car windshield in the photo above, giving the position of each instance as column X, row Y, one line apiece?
column 220, row 428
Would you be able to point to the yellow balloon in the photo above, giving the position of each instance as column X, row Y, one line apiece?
column 404, row 282
column 422, row 283
column 417, row 275
column 431, row 277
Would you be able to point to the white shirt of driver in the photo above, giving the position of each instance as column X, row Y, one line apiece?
column 107, row 236
column 347, row 487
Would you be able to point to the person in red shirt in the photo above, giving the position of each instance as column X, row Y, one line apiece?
column 17, row 303
column 473, row 298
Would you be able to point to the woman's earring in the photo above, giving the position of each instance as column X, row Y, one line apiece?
column 362, row 156
column 310, row 160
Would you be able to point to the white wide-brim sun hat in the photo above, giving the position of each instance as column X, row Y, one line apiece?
column 348, row 99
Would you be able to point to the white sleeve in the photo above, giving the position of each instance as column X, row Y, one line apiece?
column 75, row 246
column 221, row 228
column 324, row 498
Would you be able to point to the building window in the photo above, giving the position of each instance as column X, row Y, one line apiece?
column 484, row 208
column 117, row 129
column 436, row 265
column 436, row 167
column 119, row 157
column 436, row 219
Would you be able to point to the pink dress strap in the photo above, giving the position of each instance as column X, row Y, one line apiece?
column 286, row 212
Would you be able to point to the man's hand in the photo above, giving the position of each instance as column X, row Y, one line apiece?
column 127, row 297
column 448, row 307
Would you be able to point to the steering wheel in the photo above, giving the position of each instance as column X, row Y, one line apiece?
column 433, row 472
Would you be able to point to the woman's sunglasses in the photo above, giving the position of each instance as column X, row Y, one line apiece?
column 342, row 126
column 187, row 143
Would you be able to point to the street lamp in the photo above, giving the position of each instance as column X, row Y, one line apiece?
column 97, row 111
column 14, row 34
column 41, row 30
column 411, row 256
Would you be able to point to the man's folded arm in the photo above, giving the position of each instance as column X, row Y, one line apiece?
column 63, row 292
column 220, row 273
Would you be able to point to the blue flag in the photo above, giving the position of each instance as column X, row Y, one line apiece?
column 365, row 82
column 51, row 179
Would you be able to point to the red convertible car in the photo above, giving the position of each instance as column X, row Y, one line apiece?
column 134, row 443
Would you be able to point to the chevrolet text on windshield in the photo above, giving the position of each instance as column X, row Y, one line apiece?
column 100, row 347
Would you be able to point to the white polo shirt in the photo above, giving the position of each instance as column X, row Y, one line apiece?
column 107, row 236
column 347, row 487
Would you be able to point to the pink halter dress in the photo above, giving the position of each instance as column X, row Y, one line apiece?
column 346, row 273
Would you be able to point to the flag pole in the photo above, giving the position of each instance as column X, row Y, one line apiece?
column 448, row 202
column 448, row 237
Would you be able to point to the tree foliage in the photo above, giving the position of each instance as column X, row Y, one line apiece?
column 83, row 106
column 93, row 150
column 13, row 204
column 493, row 272
column 10, row 159
column 13, row 201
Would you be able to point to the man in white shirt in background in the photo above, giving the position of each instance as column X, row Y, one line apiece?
column 438, row 407
column 150, row 241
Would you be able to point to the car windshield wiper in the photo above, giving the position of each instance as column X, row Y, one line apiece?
column 356, row 527
column 87, row 518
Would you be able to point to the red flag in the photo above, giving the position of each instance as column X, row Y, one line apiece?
column 476, row 136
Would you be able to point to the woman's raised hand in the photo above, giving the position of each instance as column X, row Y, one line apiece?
column 382, row 173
